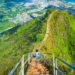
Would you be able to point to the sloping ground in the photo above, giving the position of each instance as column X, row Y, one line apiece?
column 23, row 40
column 13, row 46
column 47, row 30
column 36, row 68
column 61, row 40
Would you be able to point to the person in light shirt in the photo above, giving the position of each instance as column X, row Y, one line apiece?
column 37, row 56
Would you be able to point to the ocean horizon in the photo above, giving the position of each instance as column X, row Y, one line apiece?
column 72, row 1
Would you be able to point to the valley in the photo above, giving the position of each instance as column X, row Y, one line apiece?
column 12, row 13
column 23, row 25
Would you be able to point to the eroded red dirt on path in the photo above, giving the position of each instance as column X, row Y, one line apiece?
column 36, row 68
column 47, row 30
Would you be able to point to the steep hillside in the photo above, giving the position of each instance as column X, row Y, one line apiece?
column 13, row 46
column 61, row 40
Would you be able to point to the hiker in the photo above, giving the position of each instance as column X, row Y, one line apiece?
column 37, row 56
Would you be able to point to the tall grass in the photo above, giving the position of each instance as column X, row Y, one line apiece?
column 61, row 40
column 21, row 41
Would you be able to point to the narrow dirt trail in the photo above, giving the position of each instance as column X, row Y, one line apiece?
column 36, row 67
column 47, row 30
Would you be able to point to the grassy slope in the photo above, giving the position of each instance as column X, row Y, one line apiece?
column 4, row 23
column 13, row 46
column 61, row 40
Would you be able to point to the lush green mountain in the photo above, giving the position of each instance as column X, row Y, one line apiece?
column 60, row 41
column 23, row 40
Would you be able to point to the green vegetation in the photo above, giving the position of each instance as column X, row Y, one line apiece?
column 13, row 46
column 4, row 23
column 4, row 19
column 61, row 40
column 38, row 12
column 10, row 10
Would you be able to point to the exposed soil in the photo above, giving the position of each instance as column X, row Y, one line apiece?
column 36, row 67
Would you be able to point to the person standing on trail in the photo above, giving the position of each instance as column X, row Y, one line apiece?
column 37, row 56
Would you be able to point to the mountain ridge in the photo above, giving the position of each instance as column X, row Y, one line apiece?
column 60, row 40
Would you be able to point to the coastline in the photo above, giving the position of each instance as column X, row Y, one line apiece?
column 69, row 1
